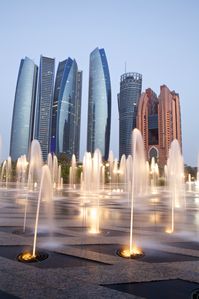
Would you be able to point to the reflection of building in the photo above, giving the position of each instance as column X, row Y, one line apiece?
column 99, row 104
column 23, row 112
column 67, row 109
column 44, row 104
column 130, row 91
column 159, row 120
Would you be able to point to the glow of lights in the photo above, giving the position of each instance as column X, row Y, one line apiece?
column 135, row 252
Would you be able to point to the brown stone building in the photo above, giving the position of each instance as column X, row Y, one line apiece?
column 159, row 120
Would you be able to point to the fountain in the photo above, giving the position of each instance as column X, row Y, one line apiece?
column 154, row 175
column 92, row 172
column 138, row 185
column 55, row 171
column 73, row 172
column 3, row 171
column 197, row 175
column 175, row 177
column 122, row 171
column 21, row 170
column 46, row 195
column 50, row 163
column 8, row 170
column 110, row 165
column 59, row 179
column 34, row 174
column 35, row 165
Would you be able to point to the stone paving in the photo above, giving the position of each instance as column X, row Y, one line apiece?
column 82, row 264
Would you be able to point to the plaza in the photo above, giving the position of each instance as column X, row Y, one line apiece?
column 82, row 246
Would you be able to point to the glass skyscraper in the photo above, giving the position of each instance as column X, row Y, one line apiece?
column 67, row 109
column 99, row 104
column 130, row 91
column 44, row 104
column 23, row 111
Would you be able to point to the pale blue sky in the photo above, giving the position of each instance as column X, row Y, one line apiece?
column 159, row 39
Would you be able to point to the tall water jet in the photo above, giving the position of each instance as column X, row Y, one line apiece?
column 35, row 164
column 96, row 170
column 110, row 165
column 197, row 176
column 115, row 174
column 87, row 172
column 154, row 170
column 59, row 179
column 50, row 163
column 34, row 173
column 138, row 187
column 46, row 195
column 122, row 171
column 3, row 171
column 175, row 176
column 21, row 170
column 73, row 172
column 129, row 166
column 8, row 170
column 55, row 171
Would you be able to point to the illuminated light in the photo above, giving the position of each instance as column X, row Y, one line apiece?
column 169, row 231
column 154, row 218
column 27, row 257
column 93, row 218
column 155, row 200
column 135, row 252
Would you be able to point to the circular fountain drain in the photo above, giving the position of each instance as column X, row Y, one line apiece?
column 27, row 257
column 121, row 253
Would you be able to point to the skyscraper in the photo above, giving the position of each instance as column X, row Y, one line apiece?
column 99, row 104
column 44, row 104
column 159, row 120
column 130, row 91
column 67, row 109
column 23, row 111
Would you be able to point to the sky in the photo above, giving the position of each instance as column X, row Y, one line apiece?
column 156, row 38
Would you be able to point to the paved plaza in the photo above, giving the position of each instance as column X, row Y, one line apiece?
column 82, row 245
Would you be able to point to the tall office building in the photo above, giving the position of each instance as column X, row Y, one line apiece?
column 99, row 104
column 67, row 109
column 23, row 111
column 130, row 91
column 159, row 120
column 44, row 104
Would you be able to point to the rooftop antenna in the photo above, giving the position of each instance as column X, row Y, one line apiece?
column 125, row 67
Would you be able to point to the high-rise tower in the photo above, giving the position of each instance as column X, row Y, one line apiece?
column 23, row 111
column 67, row 109
column 130, row 91
column 159, row 120
column 99, row 104
column 44, row 103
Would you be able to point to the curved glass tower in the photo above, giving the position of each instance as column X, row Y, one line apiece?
column 67, row 109
column 130, row 91
column 99, row 104
column 23, row 111
column 44, row 104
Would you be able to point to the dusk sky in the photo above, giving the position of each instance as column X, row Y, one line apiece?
column 159, row 39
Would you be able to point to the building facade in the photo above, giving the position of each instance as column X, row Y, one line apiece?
column 130, row 91
column 67, row 109
column 44, row 104
column 99, row 104
column 159, row 120
column 23, row 111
